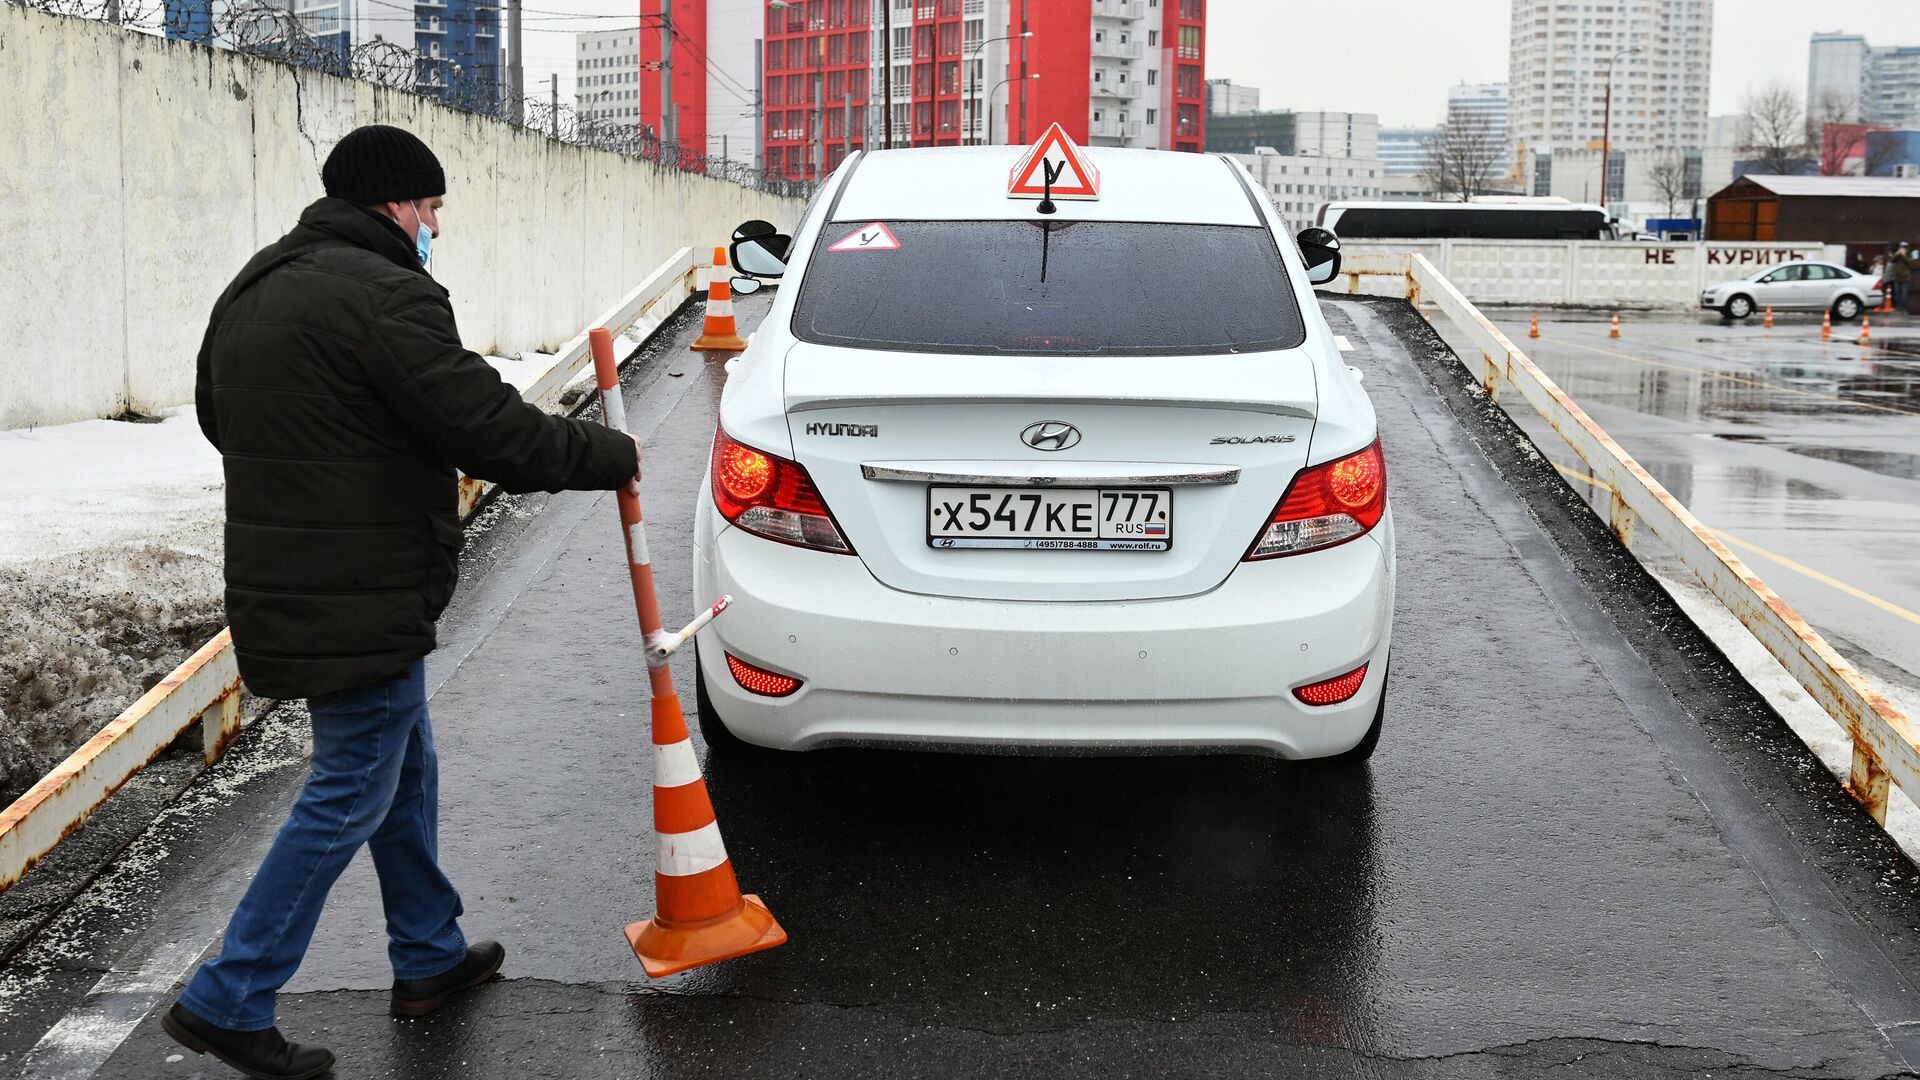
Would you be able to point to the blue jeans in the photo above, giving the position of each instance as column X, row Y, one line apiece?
column 1900, row 295
column 375, row 780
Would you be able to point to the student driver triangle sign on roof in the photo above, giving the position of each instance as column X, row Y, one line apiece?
column 1055, row 157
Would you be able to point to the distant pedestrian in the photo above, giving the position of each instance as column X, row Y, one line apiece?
column 1900, row 275
column 333, row 382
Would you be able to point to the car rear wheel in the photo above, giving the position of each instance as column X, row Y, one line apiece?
column 1846, row 309
column 1362, row 750
column 1738, row 307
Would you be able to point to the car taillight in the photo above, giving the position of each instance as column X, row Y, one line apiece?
column 1329, row 692
column 772, row 497
column 759, row 680
column 1326, row 505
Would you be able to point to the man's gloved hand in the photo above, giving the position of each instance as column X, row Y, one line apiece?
column 633, row 485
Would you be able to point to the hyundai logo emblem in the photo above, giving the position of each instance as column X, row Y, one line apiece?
column 1051, row 435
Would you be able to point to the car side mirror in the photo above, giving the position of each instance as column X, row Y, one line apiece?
column 761, row 256
column 746, row 286
column 753, row 229
column 1320, row 249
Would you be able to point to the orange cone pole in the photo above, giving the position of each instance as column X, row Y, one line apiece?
column 703, row 917
column 1769, row 322
column 1826, row 326
column 1615, row 332
column 721, row 333
column 1866, row 329
column 1534, row 330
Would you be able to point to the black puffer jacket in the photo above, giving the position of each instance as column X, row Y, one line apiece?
column 335, row 387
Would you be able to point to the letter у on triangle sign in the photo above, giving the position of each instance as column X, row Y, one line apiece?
column 875, row 237
column 1075, row 176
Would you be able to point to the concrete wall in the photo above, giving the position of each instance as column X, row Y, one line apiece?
column 137, row 174
column 1598, row 273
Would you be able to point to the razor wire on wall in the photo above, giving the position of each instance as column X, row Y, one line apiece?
column 278, row 34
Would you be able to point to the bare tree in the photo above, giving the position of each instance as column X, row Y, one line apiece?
column 1668, row 174
column 1833, row 125
column 1773, row 130
column 1462, row 160
column 1879, row 153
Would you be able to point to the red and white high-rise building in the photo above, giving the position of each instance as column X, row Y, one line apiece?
column 796, row 87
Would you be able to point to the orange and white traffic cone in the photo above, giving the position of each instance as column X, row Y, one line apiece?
column 1534, row 330
column 1826, row 326
column 1866, row 329
column 721, row 333
column 703, row 917
column 1769, row 321
column 1615, row 331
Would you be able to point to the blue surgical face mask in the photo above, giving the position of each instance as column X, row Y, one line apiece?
column 423, row 236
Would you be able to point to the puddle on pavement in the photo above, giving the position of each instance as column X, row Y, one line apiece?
column 1884, row 462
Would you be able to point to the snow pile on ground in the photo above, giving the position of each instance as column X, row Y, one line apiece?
column 110, row 575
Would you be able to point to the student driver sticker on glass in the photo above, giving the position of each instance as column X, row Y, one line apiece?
column 875, row 237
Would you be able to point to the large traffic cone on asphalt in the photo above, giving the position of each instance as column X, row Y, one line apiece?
column 1615, row 331
column 1533, row 331
column 721, row 333
column 703, row 917
column 1826, row 326
column 1769, row 321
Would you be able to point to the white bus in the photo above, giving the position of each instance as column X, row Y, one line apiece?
column 1501, row 219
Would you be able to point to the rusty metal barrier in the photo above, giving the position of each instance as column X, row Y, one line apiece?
column 205, row 690
column 1884, row 741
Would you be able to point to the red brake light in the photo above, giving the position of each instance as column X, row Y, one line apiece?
column 1329, row 692
column 772, row 497
column 759, row 680
column 1326, row 505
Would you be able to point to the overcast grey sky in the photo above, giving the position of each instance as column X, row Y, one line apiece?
column 1392, row 57
column 1397, row 57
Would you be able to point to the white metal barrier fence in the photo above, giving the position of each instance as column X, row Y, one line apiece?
column 206, row 689
column 1884, row 741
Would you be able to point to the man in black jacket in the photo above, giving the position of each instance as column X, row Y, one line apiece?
column 333, row 382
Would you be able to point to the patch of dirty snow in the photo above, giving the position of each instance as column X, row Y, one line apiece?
column 110, row 576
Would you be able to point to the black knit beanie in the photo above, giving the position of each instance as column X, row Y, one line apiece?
column 380, row 164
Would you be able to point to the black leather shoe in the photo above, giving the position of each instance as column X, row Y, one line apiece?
column 418, row 997
column 263, row 1055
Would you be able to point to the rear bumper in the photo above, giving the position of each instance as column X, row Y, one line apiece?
column 1213, row 672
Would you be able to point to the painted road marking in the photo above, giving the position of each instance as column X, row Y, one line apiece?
column 1742, row 380
column 1340, row 342
column 1799, row 568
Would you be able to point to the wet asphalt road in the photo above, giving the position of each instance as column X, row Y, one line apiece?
column 1562, row 859
column 1807, row 453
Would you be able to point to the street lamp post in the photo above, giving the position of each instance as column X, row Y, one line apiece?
column 996, row 90
column 973, row 120
column 1606, row 127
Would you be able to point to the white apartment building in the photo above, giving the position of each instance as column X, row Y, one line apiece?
column 1639, row 191
column 1300, row 184
column 1404, row 150
column 1560, row 54
column 606, row 79
column 1226, row 98
column 1337, row 134
column 1480, row 106
column 1877, row 85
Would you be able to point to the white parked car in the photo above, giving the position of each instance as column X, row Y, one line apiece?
column 989, row 478
column 1795, row 286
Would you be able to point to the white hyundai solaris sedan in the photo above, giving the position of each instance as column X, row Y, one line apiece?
column 1097, row 480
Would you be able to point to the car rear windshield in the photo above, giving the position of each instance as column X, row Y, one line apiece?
column 1047, row 288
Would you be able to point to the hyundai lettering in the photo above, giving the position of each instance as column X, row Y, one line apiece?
column 1045, row 450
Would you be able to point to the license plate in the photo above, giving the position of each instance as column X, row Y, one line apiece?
column 1051, row 519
